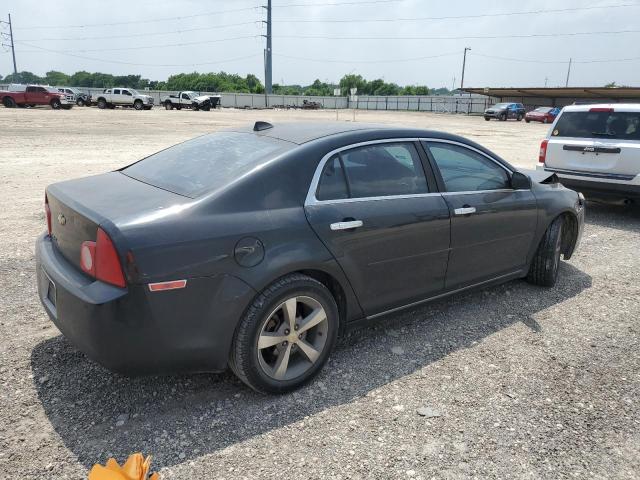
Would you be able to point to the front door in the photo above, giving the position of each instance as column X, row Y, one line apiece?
column 492, row 225
column 377, row 213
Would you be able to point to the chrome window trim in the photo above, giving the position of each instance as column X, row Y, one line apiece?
column 311, row 194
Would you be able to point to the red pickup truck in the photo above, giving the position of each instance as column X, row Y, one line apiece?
column 34, row 95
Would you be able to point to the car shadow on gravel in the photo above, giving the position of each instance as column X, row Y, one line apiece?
column 98, row 414
column 614, row 215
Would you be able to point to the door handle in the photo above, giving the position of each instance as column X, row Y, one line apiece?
column 465, row 210
column 346, row 225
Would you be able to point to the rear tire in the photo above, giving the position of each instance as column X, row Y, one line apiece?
column 528, row 121
column 102, row 103
column 168, row 105
column 9, row 102
column 487, row 119
column 519, row 118
column 80, row 102
column 546, row 261
column 291, row 354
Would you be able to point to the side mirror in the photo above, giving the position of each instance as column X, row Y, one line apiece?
column 520, row 181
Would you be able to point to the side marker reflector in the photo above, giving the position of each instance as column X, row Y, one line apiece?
column 172, row 285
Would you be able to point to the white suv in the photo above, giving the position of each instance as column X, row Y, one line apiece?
column 595, row 149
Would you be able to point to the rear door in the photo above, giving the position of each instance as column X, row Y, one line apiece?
column 381, row 217
column 492, row 225
column 597, row 140
column 116, row 96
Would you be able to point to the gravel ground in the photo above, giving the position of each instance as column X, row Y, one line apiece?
column 514, row 381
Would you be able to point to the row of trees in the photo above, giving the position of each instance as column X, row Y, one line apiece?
column 220, row 82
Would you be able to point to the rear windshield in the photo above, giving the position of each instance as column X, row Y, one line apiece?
column 206, row 163
column 613, row 125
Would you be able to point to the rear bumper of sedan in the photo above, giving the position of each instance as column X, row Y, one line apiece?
column 135, row 331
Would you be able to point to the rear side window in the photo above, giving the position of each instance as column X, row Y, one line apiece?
column 613, row 125
column 206, row 163
column 333, row 184
column 380, row 170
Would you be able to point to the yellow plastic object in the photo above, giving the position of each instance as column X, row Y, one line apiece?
column 135, row 468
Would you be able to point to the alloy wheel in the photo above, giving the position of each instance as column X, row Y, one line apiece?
column 292, row 338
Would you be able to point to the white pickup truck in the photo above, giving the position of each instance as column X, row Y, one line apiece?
column 189, row 99
column 124, row 97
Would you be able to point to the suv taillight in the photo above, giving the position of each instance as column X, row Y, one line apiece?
column 543, row 151
column 100, row 260
column 47, row 212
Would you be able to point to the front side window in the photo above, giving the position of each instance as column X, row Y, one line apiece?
column 464, row 170
column 185, row 96
column 126, row 92
column 379, row 170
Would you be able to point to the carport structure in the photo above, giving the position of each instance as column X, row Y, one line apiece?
column 560, row 96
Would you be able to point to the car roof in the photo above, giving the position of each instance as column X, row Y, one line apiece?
column 304, row 132
column 618, row 107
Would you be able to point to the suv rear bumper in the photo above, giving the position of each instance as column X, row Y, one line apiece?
column 599, row 185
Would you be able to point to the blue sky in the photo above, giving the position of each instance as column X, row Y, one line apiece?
column 158, row 37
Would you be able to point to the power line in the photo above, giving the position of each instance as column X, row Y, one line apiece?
column 523, row 60
column 465, row 37
column 133, row 35
column 120, row 62
column 335, row 4
column 394, row 60
column 166, row 45
column 461, row 17
column 137, row 22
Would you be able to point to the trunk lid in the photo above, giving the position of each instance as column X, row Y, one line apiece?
column 110, row 201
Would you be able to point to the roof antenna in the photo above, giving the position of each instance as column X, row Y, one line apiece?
column 259, row 126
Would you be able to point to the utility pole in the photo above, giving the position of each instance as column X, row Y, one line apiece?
column 546, row 79
column 267, row 53
column 568, row 73
column 464, row 63
column 12, row 45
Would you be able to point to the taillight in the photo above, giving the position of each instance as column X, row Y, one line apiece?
column 543, row 151
column 47, row 212
column 100, row 260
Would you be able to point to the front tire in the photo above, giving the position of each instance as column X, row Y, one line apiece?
column 546, row 261
column 286, row 335
column 55, row 104
column 519, row 118
column 503, row 117
column 138, row 105
column 80, row 102
column 487, row 119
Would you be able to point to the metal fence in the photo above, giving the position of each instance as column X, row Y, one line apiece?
column 431, row 103
column 464, row 104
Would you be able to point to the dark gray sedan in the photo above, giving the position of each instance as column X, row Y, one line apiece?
column 256, row 248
